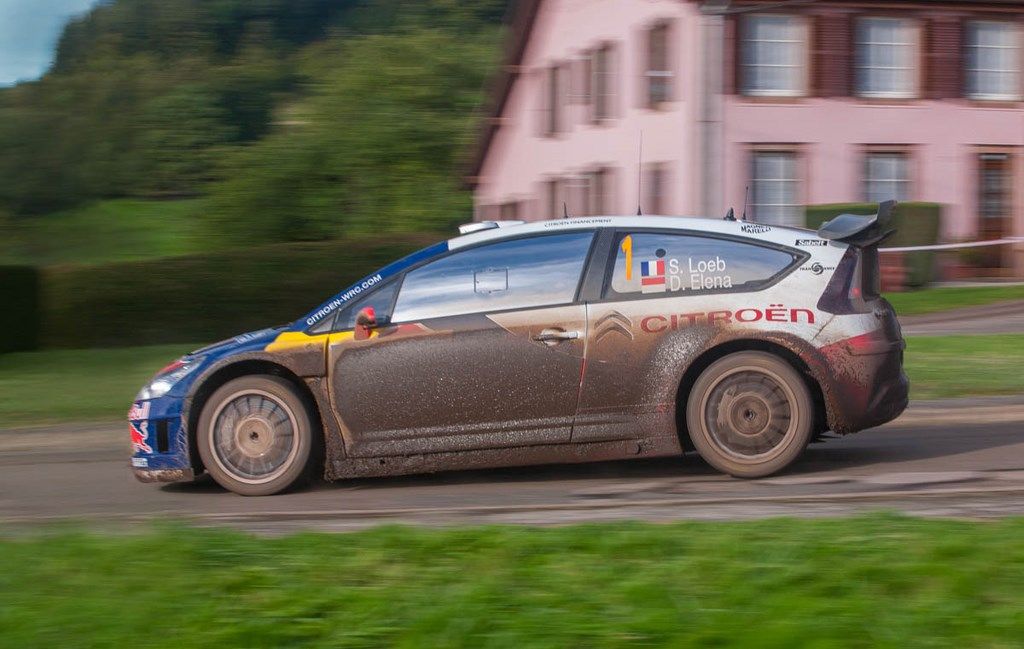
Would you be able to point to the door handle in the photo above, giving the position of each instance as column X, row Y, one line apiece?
column 555, row 336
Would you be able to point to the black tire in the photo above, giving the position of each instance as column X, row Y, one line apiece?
column 256, row 436
column 750, row 414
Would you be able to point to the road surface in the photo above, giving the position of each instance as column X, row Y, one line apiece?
column 961, row 458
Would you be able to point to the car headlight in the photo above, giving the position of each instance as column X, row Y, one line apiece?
column 168, row 377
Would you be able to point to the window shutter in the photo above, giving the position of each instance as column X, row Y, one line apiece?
column 945, row 63
column 832, row 65
column 731, row 56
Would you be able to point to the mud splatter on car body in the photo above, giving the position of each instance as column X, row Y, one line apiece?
column 602, row 373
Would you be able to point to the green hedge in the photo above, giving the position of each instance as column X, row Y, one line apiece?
column 917, row 224
column 203, row 297
column 19, row 308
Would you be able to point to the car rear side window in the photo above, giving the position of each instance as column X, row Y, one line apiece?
column 673, row 264
column 513, row 274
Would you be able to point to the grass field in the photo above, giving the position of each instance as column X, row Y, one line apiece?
column 878, row 581
column 933, row 300
column 87, row 385
column 113, row 230
column 90, row 385
column 956, row 366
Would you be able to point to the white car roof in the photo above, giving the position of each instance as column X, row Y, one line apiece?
column 756, row 231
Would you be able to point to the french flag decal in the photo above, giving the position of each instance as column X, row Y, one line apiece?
column 652, row 276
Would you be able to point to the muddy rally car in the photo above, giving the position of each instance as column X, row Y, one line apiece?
column 575, row 340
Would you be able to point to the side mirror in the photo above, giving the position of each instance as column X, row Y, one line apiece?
column 366, row 322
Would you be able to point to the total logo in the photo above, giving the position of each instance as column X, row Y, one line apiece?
column 818, row 268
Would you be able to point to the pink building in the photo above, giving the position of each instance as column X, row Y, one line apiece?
column 805, row 102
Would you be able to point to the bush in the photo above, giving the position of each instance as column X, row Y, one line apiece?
column 19, row 315
column 204, row 297
column 916, row 224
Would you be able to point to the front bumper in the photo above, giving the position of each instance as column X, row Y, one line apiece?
column 160, row 446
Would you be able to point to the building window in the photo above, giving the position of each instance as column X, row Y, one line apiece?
column 994, row 207
column 886, row 58
column 993, row 61
column 552, row 100
column 776, row 189
column 774, row 56
column 509, row 211
column 659, row 73
column 886, row 177
column 602, row 85
column 655, row 186
column 553, row 198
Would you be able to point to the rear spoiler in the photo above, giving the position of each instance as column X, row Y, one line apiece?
column 860, row 231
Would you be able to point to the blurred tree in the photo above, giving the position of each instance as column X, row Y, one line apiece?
column 310, row 115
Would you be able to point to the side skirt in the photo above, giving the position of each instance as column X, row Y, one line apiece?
column 577, row 453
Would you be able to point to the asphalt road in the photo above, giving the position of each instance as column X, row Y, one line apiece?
column 949, row 458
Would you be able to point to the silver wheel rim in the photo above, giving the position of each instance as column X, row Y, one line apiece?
column 254, row 436
column 750, row 414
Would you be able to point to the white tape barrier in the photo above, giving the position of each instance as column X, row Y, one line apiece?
column 957, row 246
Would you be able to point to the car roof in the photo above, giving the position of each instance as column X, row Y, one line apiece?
column 745, row 229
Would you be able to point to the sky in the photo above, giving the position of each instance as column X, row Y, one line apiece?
column 29, row 30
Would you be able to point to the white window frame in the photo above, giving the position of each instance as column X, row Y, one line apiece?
column 797, row 41
column 901, row 184
column 911, row 65
column 971, row 67
column 665, row 74
column 603, row 82
column 795, row 206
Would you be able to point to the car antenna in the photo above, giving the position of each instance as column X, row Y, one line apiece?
column 746, row 198
column 730, row 215
column 640, row 178
column 565, row 210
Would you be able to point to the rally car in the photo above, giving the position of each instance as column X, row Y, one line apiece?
column 573, row 340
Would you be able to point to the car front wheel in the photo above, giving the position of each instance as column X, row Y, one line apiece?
column 750, row 414
column 256, row 437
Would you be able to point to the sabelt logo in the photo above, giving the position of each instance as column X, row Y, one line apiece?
column 774, row 313
column 614, row 323
column 811, row 243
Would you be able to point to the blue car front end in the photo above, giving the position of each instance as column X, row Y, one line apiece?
column 158, row 419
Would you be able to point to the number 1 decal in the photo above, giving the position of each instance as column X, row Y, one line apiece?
column 627, row 247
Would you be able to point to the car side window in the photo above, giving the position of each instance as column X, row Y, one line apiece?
column 655, row 263
column 381, row 300
column 513, row 274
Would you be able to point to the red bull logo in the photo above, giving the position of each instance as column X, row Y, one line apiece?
column 138, row 425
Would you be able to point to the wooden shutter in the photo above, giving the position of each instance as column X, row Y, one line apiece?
column 731, row 56
column 944, row 62
column 832, row 60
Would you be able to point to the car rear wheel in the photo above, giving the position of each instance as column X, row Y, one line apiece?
column 256, row 436
column 750, row 414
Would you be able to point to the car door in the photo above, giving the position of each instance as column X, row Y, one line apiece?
column 482, row 348
column 665, row 296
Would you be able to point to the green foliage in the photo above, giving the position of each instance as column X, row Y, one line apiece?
column 161, row 97
column 203, row 297
column 984, row 365
column 878, row 581
column 916, row 224
column 19, row 308
column 375, row 146
column 115, row 230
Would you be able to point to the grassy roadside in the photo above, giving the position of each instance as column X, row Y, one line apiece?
column 876, row 581
column 934, row 300
column 90, row 385
column 77, row 385
column 955, row 366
